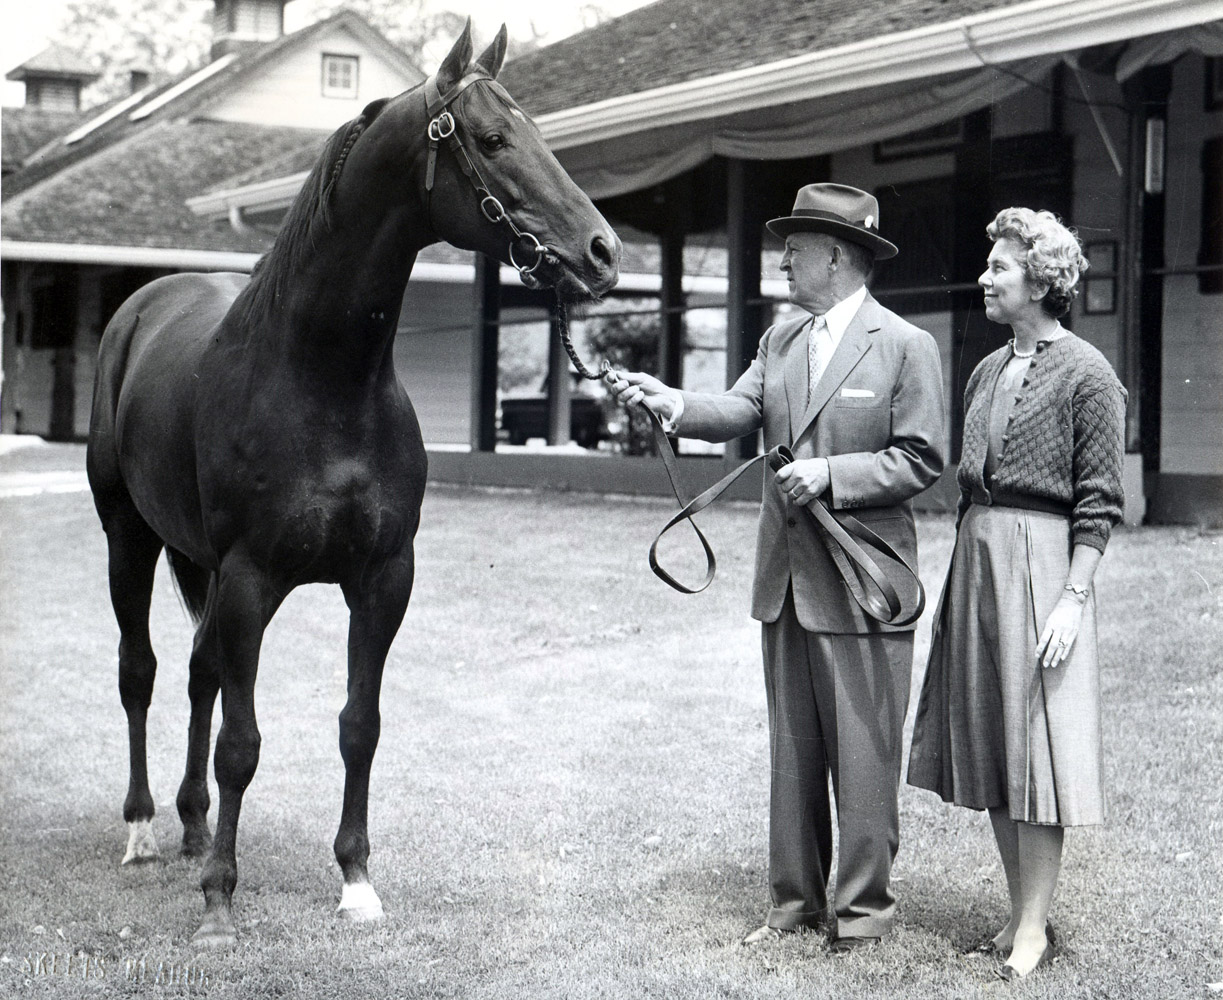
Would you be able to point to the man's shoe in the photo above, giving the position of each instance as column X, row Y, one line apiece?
column 764, row 934
column 844, row 945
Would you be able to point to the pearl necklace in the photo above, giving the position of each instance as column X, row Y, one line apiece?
column 1020, row 354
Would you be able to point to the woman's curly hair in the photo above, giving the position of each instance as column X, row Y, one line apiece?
column 1053, row 259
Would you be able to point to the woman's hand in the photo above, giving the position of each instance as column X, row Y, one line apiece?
column 631, row 388
column 1059, row 633
column 803, row 480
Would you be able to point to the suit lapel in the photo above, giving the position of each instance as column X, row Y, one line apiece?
column 855, row 343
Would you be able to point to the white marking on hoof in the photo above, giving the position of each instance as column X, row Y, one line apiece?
column 359, row 902
column 141, row 844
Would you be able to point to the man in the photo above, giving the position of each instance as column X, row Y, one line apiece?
column 856, row 392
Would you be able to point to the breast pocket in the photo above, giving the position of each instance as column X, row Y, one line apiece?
column 848, row 397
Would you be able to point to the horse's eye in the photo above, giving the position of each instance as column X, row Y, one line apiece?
column 493, row 141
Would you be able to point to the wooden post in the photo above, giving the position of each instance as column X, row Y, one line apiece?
column 484, row 355
column 671, row 355
column 743, row 320
column 1151, row 91
column 558, row 383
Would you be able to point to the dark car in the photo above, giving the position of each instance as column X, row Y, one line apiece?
column 524, row 417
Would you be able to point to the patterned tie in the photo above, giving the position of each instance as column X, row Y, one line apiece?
column 818, row 342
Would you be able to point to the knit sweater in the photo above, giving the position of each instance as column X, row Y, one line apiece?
column 1065, row 441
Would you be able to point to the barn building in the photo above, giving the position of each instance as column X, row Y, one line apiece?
column 693, row 121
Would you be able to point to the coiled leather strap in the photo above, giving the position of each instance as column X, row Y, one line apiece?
column 855, row 549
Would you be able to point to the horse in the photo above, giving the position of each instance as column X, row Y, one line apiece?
column 255, row 430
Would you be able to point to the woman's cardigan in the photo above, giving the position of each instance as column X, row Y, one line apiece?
column 1064, row 444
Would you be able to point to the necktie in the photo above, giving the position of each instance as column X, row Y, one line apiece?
column 819, row 344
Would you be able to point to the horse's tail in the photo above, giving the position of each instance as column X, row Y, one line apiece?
column 191, row 582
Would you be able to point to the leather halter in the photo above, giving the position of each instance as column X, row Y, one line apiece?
column 443, row 125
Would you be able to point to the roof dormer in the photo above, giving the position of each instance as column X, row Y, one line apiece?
column 237, row 24
column 53, row 79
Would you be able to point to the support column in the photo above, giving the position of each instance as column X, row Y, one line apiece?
column 559, row 391
column 671, row 354
column 743, row 317
column 484, row 354
column 1149, row 92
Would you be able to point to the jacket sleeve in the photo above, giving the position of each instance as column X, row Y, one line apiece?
column 731, row 414
column 913, row 456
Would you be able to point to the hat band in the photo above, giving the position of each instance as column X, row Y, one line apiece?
column 816, row 213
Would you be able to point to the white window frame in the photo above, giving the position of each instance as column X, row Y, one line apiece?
column 352, row 64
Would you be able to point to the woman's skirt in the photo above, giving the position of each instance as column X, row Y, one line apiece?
column 995, row 728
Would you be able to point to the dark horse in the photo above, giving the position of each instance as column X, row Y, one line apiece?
column 255, row 429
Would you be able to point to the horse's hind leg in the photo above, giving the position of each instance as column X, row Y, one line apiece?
column 241, row 607
column 193, row 800
column 376, row 614
column 133, row 550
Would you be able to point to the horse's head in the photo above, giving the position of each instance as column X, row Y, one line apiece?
column 493, row 185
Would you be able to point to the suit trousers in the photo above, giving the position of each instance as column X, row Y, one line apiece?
column 837, row 706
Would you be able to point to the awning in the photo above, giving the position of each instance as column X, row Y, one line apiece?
column 1154, row 50
column 806, row 128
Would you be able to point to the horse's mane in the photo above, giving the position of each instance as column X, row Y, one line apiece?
column 310, row 214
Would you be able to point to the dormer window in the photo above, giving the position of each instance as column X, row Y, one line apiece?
column 340, row 76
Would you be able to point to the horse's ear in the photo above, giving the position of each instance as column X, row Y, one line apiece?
column 493, row 56
column 453, row 66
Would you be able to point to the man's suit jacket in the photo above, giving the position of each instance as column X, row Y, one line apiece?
column 876, row 414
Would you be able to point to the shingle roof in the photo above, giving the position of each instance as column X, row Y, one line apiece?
column 28, row 129
column 54, row 60
column 133, row 193
column 196, row 100
column 673, row 41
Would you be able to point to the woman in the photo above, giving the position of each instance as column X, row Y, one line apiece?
column 1009, row 717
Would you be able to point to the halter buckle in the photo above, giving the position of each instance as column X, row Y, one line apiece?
column 441, row 127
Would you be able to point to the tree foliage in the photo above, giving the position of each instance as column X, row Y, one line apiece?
column 159, row 37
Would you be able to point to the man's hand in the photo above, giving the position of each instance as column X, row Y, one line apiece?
column 638, row 388
column 804, row 480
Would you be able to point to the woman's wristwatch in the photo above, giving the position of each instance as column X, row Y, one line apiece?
column 1076, row 594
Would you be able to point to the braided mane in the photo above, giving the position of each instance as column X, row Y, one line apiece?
column 308, row 217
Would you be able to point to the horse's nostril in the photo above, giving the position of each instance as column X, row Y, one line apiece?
column 601, row 251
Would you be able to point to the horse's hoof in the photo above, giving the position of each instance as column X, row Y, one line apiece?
column 217, row 931
column 141, row 844
column 359, row 903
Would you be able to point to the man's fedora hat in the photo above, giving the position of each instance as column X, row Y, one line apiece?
column 837, row 209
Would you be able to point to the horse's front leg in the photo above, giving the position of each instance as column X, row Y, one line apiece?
column 245, row 601
column 376, row 611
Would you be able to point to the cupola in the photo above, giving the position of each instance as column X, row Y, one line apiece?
column 238, row 24
column 53, row 79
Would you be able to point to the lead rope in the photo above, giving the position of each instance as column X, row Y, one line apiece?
column 853, row 546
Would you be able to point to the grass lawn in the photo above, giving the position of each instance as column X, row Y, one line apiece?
column 570, row 795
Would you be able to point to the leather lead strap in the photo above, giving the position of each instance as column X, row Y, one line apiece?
column 855, row 549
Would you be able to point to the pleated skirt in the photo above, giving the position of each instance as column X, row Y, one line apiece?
column 995, row 728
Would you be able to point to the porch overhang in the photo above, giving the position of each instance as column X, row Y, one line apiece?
column 1001, row 36
column 1024, row 31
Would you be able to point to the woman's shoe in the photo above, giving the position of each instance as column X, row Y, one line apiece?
column 987, row 946
column 1008, row 973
